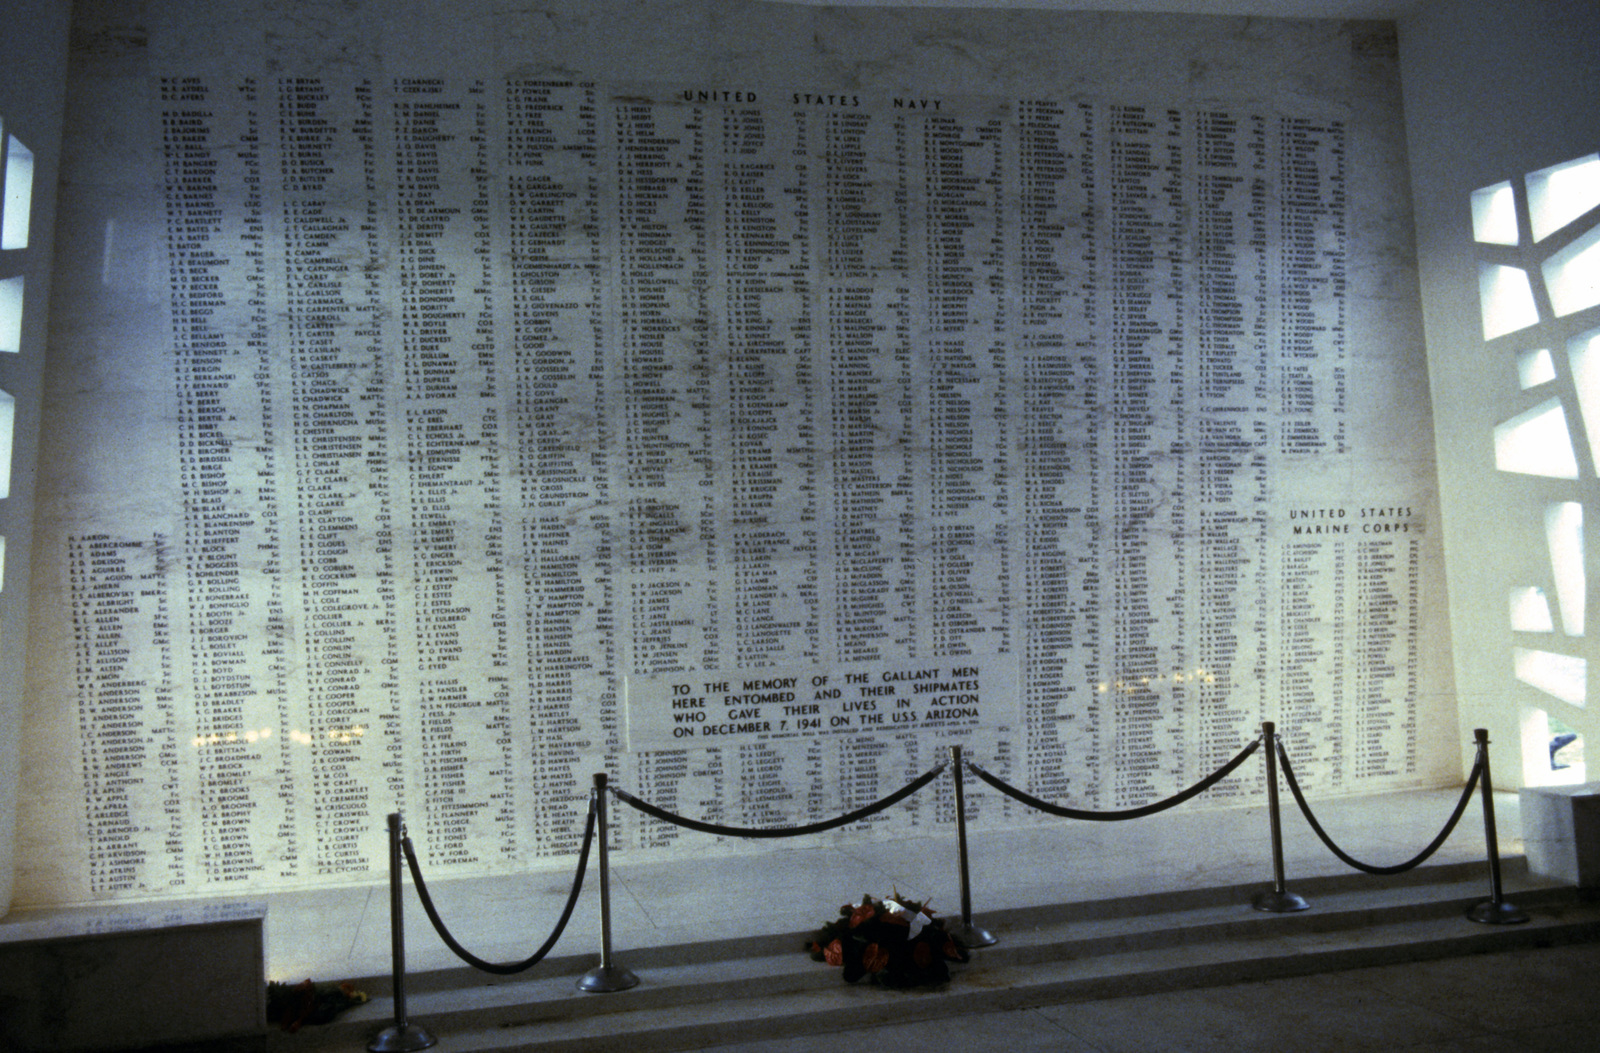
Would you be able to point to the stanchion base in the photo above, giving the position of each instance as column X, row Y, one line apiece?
column 400, row 1040
column 970, row 935
column 1491, row 913
column 603, row 979
column 1276, row 902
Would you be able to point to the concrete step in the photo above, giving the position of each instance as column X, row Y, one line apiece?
column 693, row 996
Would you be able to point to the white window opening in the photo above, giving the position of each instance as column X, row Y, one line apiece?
column 18, row 196
column 11, row 314
column 1561, row 676
column 1563, row 527
column 1494, row 215
column 1506, row 296
column 1536, row 443
column 1552, row 751
column 1572, row 276
column 1561, row 193
column 8, row 424
column 1530, row 610
column 1536, row 367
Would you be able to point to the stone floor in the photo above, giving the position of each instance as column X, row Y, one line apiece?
column 1537, row 1001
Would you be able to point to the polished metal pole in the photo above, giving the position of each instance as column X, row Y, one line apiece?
column 969, row 934
column 606, row 976
column 404, row 1036
column 1280, row 900
column 1495, row 910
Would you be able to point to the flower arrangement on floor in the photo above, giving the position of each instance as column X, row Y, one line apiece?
column 292, row 1006
column 892, row 942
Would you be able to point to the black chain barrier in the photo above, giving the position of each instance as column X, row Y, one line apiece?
column 782, row 831
column 1399, row 868
column 1127, row 813
column 507, row 968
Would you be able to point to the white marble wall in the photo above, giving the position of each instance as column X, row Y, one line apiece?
column 445, row 394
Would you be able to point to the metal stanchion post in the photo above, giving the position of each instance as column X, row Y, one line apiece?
column 404, row 1036
column 606, row 976
column 1280, row 900
column 1495, row 910
column 969, row 934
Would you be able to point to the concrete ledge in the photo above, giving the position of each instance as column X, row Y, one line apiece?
column 103, row 979
column 1561, row 832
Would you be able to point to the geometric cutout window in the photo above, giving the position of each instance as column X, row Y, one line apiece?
column 8, row 423
column 1563, row 527
column 1552, row 752
column 1506, row 297
column 1572, row 276
column 1494, row 215
column 1561, row 676
column 1559, row 247
column 1561, row 193
column 18, row 201
column 11, row 290
column 1537, row 367
column 1530, row 610
column 1583, row 356
column 1536, row 443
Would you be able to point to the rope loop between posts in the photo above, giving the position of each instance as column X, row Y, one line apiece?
column 782, row 831
column 506, row 968
column 1399, row 868
column 1126, row 813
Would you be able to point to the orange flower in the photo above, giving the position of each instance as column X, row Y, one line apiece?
column 833, row 954
column 874, row 959
column 861, row 914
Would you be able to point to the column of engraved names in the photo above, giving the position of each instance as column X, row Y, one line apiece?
column 1311, row 393
column 669, row 546
column 771, row 393
column 1227, row 464
column 866, row 275
column 453, row 495
column 557, row 426
column 1384, row 642
column 230, row 529
column 127, row 721
column 669, row 549
column 1144, row 202
column 767, row 285
column 369, row 363
column 1313, row 358
column 968, row 424
column 1313, row 614
column 1065, row 395
column 323, row 154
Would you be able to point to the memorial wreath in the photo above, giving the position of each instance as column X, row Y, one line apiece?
column 892, row 942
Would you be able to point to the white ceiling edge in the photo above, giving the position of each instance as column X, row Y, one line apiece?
column 1335, row 9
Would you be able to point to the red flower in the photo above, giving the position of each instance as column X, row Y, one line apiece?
column 951, row 951
column 922, row 955
column 874, row 959
column 833, row 953
column 861, row 914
